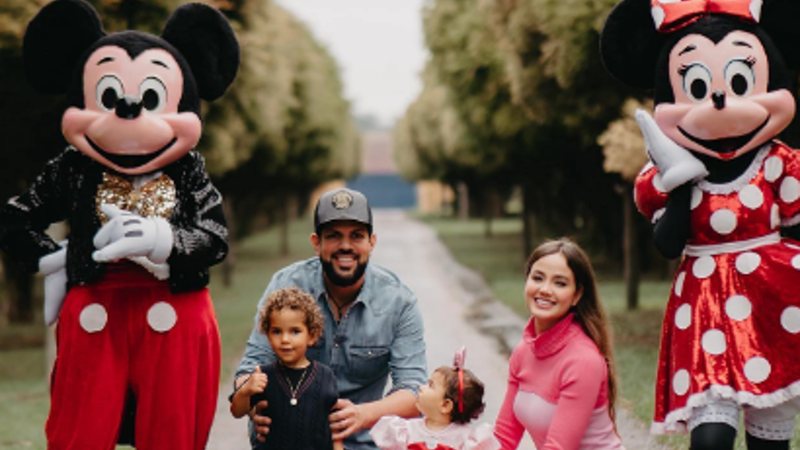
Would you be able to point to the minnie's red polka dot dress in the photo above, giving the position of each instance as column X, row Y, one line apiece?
column 732, row 325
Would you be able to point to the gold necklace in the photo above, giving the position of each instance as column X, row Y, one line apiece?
column 293, row 389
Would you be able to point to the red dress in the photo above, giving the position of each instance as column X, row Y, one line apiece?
column 732, row 325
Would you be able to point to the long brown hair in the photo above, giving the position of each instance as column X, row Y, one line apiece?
column 589, row 312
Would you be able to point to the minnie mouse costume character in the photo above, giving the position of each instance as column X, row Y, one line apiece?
column 137, row 323
column 720, row 190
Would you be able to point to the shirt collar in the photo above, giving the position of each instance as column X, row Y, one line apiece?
column 552, row 340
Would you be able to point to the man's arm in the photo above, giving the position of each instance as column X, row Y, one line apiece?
column 350, row 418
column 408, row 369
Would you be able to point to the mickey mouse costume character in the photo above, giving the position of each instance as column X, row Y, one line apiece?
column 720, row 190
column 137, row 323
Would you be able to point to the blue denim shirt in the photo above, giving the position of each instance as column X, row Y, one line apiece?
column 380, row 335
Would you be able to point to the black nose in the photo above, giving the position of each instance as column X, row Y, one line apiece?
column 128, row 108
column 718, row 97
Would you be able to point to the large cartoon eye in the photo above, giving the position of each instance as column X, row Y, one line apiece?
column 109, row 90
column 739, row 76
column 696, row 81
column 153, row 94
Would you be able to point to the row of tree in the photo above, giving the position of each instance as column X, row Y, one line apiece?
column 282, row 128
column 516, row 99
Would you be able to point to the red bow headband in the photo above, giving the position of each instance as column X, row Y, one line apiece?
column 670, row 15
column 458, row 362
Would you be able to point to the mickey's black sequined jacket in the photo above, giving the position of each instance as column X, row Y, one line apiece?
column 66, row 189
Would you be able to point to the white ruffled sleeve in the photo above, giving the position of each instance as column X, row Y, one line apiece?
column 390, row 433
column 482, row 438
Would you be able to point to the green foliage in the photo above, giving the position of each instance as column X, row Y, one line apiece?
column 466, row 62
column 551, row 50
column 284, row 126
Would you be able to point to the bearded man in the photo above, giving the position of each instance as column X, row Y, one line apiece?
column 373, row 326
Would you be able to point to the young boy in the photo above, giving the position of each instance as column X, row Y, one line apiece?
column 300, row 393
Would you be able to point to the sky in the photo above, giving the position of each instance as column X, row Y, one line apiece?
column 378, row 45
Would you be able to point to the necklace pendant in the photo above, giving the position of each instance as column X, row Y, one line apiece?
column 293, row 401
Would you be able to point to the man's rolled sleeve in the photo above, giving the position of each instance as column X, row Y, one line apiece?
column 407, row 363
column 257, row 350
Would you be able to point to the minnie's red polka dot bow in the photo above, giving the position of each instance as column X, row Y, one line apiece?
column 670, row 15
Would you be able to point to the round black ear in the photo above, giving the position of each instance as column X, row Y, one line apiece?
column 55, row 40
column 630, row 44
column 205, row 38
column 779, row 20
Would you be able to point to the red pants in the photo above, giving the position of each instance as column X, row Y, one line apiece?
column 129, row 333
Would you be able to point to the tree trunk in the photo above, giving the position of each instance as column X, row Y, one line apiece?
column 288, row 212
column 631, row 270
column 19, row 285
column 527, row 222
column 462, row 196
column 488, row 213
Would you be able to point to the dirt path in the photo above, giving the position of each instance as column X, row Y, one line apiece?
column 458, row 309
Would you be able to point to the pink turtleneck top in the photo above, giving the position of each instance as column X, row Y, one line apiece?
column 558, row 392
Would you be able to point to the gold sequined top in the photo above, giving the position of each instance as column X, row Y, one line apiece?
column 156, row 198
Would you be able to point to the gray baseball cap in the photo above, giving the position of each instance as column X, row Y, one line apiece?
column 342, row 204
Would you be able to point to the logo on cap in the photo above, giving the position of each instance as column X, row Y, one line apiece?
column 342, row 200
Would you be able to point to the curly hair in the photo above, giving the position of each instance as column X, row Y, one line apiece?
column 472, row 395
column 297, row 300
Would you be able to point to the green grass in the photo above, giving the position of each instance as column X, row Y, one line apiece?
column 24, row 393
column 500, row 261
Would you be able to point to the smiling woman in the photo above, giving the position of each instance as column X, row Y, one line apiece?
column 561, row 385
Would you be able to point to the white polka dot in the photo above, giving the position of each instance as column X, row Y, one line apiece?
column 738, row 307
column 747, row 262
column 679, row 283
column 683, row 316
column 755, row 9
column 714, row 342
column 775, row 217
column 723, row 221
column 697, row 198
column 161, row 317
column 751, row 196
column 773, row 168
column 790, row 319
column 657, row 215
column 796, row 262
column 658, row 184
column 658, row 15
column 93, row 318
column 790, row 189
column 680, row 382
column 703, row 267
column 757, row 369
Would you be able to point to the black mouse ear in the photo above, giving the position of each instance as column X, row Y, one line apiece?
column 205, row 38
column 779, row 20
column 55, row 40
column 630, row 43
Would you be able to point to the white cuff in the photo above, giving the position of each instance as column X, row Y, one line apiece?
column 163, row 242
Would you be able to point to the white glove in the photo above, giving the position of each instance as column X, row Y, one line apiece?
column 676, row 164
column 54, row 268
column 128, row 234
